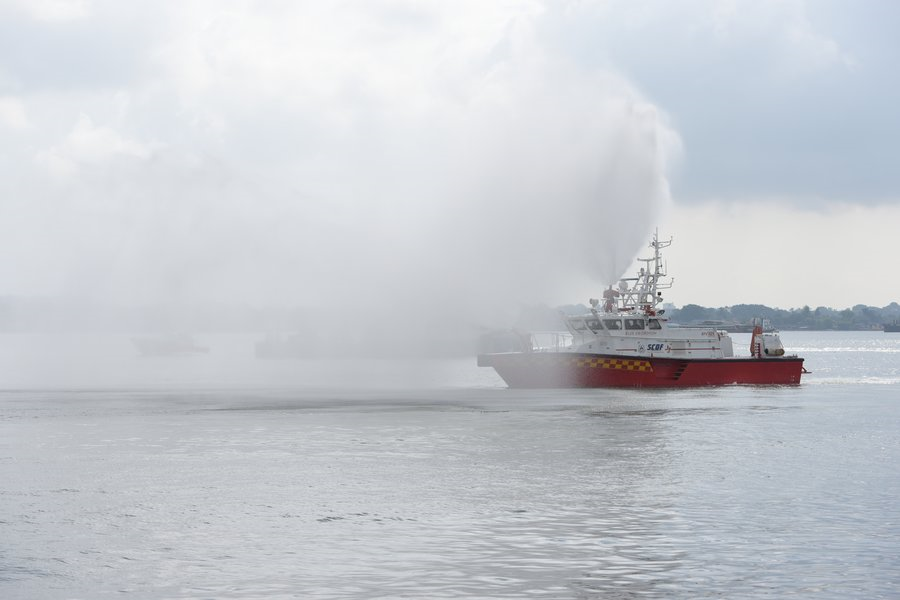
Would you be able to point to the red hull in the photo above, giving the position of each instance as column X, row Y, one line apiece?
column 574, row 370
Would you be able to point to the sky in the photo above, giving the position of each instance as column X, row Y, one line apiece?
column 463, row 155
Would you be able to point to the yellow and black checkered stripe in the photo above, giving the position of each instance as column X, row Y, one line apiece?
column 620, row 364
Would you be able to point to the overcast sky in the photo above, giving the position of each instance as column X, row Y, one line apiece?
column 464, row 152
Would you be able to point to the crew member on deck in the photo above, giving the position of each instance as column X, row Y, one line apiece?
column 610, row 295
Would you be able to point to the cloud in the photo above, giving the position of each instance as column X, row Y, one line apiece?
column 784, row 26
column 12, row 113
column 89, row 144
column 52, row 10
column 771, row 98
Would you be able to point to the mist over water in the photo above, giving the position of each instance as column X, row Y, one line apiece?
column 462, row 180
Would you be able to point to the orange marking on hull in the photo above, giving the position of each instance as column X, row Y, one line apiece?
column 621, row 364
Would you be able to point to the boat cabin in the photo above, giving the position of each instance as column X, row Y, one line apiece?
column 578, row 325
column 640, row 334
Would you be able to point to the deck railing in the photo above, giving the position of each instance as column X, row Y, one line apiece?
column 551, row 341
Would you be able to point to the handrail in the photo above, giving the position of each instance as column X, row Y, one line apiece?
column 551, row 341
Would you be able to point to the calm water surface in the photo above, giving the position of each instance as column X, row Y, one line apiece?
column 222, row 476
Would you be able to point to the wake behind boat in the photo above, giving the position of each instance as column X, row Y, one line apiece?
column 624, row 341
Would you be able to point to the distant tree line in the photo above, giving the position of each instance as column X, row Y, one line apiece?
column 860, row 317
column 821, row 318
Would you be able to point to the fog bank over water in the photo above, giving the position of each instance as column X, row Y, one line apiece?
column 458, row 175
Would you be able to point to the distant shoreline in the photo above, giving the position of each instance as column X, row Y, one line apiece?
column 858, row 318
column 19, row 314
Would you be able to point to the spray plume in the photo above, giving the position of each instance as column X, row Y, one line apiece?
column 389, row 178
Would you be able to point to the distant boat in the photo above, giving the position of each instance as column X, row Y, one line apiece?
column 732, row 326
column 290, row 346
column 168, row 345
column 892, row 327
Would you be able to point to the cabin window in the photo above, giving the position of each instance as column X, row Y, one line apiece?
column 634, row 324
column 594, row 325
column 577, row 325
column 653, row 324
column 612, row 324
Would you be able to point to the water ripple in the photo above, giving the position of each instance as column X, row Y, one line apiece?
column 733, row 492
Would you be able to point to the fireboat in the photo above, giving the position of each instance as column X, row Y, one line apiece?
column 625, row 341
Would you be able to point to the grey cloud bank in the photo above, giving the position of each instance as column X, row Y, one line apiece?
column 789, row 99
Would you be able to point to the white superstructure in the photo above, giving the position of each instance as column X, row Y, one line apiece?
column 627, row 323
